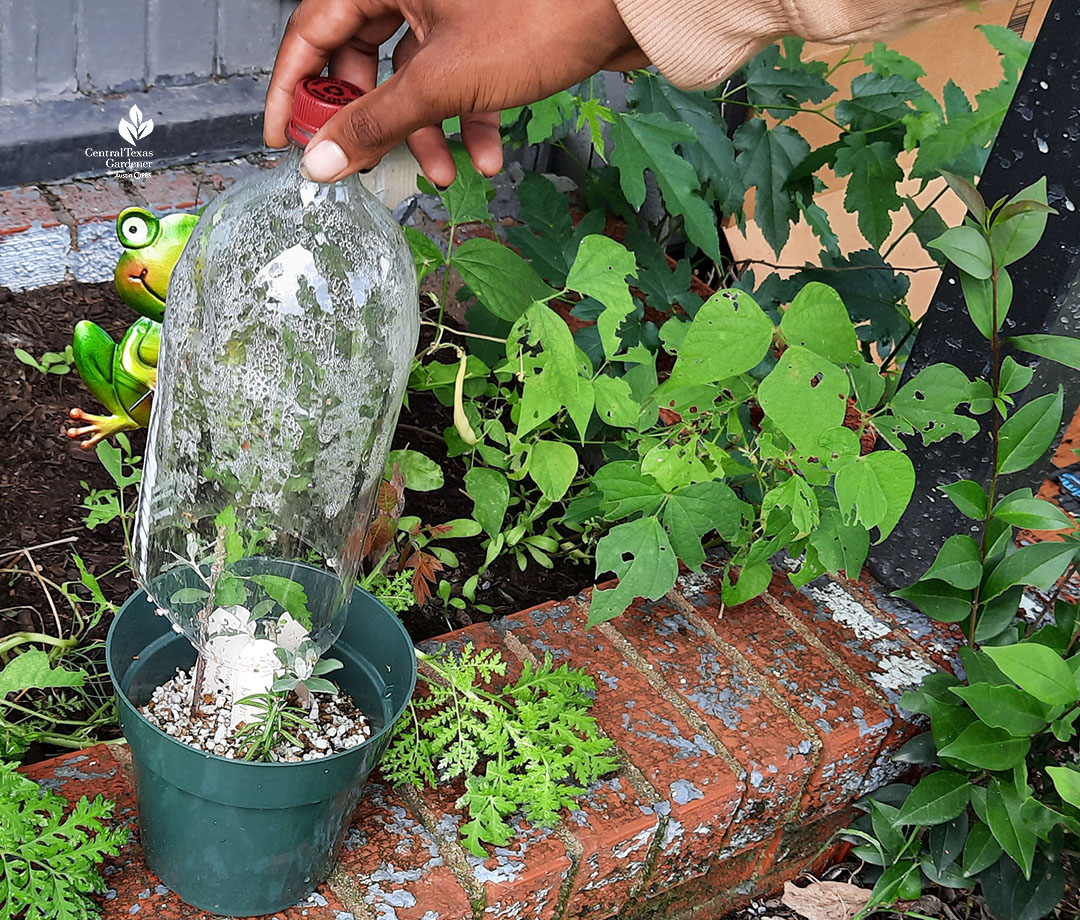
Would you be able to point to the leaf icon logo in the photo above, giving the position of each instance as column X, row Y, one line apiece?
column 134, row 127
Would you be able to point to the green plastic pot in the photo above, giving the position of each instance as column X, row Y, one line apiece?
column 241, row 838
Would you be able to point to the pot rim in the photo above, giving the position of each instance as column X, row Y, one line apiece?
column 339, row 755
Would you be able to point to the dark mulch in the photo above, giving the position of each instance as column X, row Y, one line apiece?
column 41, row 472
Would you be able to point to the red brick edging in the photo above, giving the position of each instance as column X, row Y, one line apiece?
column 744, row 740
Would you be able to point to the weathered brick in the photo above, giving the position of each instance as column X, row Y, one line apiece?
column 172, row 190
column 23, row 208
column 525, row 878
column 926, row 638
column 614, row 824
column 687, row 768
column 736, row 704
column 850, row 724
column 615, row 827
column 33, row 243
column 132, row 889
column 396, row 864
column 93, row 200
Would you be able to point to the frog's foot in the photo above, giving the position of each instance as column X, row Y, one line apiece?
column 97, row 428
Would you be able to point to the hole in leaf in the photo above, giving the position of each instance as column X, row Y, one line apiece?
column 816, row 379
column 919, row 394
column 627, row 556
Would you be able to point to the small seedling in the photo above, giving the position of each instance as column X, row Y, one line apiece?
column 52, row 362
column 277, row 720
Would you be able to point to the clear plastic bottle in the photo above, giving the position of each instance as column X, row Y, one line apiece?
column 290, row 327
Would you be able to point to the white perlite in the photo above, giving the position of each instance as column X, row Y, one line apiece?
column 337, row 723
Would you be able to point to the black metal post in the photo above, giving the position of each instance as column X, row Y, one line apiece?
column 1040, row 137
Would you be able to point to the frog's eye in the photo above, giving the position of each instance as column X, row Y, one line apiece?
column 137, row 230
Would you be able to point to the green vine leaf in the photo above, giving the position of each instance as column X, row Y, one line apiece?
column 767, row 159
column 730, row 335
column 553, row 466
column 871, row 188
column 876, row 489
column 694, row 511
column 877, row 101
column 928, row 404
column 781, row 85
column 32, row 670
column 490, row 493
column 501, row 280
column 641, row 556
column 712, row 154
column 600, row 270
column 1016, row 232
column 818, row 320
column 804, row 396
column 645, row 142
column 556, row 377
column 841, row 547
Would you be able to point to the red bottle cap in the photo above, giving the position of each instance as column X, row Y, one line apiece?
column 315, row 101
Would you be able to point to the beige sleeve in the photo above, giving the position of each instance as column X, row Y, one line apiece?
column 696, row 43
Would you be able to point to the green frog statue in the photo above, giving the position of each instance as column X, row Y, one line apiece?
column 123, row 376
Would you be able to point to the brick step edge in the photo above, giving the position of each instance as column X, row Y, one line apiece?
column 744, row 739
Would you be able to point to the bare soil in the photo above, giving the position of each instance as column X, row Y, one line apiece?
column 42, row 476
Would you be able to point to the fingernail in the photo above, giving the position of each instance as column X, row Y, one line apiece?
column 323, row 161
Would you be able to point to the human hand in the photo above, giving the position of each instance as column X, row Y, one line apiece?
column 471, row 58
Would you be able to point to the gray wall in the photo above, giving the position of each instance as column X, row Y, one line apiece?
column 55, row 49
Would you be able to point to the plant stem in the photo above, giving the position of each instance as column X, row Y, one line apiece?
column 22, row 638
column 914, row 221
column 995, row 384
column 917, row 324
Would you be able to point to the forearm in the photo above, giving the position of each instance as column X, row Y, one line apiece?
column 696, row 43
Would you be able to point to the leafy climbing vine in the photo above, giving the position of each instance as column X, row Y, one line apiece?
column 606, row 408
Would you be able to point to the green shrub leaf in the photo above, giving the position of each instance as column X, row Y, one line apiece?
column 1029, row 432
column 1038, row 670
column 957, row 563
column 987, row 748
column 939, row 797
column 1038, row 565
column 969, row 498
column 967, row 249
column 1061, row 348
column 1005, row 707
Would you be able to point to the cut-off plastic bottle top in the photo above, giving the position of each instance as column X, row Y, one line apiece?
column 290, row 326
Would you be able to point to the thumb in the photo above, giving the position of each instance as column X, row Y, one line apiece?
column 364, row 131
